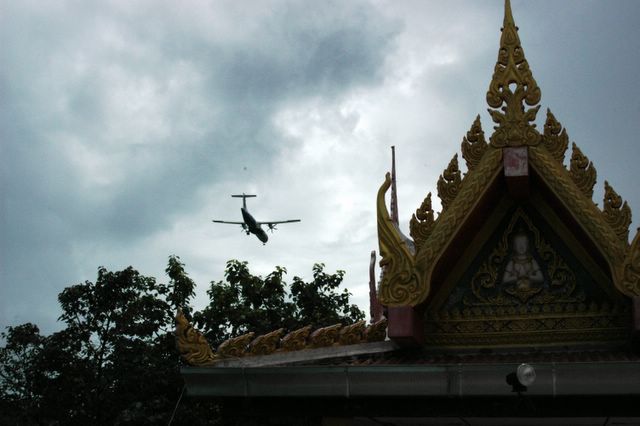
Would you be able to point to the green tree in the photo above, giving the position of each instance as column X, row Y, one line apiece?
column 245, row 302
column 115, row 362
column 19, row 376
column 319, row 303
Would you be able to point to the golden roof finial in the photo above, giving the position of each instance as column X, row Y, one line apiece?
column 508, row 16
column 511, row 85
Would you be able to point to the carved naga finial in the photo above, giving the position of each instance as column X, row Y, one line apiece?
column 449, row 183
column 266, row 344
column 352, row 334
column 235, row 347
column 616, row 213
column 191, row 344
column 511, row 85
column 555, row 138
column 582, row 171
column 296, row 340
column 325, row 336
column 422, row 222
column 474, row 145
column 399, row 284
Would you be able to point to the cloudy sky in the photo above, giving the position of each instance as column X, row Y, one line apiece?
column 126, row 125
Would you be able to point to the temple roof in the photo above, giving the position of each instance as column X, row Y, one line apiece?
column 413, row 268
column 513, row 98
column 325, row 341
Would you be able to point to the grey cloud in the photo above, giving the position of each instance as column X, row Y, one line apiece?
column 59, row 78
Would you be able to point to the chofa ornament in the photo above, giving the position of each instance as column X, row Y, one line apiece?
column 407, row 273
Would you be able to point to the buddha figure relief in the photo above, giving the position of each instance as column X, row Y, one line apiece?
column 522, row 269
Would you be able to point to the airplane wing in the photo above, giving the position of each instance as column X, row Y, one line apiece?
column 277, row 222
column 230, row 223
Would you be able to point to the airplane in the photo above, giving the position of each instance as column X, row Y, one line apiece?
column 250, row 225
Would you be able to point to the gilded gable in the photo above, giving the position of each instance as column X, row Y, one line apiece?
column 519, row 244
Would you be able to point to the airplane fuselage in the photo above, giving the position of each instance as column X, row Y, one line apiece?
column 252, row 226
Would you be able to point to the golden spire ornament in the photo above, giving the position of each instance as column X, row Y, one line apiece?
column 512, row 84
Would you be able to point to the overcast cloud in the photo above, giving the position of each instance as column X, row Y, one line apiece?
column 124, row 126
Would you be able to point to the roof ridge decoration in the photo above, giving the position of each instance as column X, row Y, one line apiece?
column 555, row 138
column 617, row 214
column 422, row 222
column 195, row 350
column 511, row 85
column 449, row 183
column 582, row 171
column 407, row 278
column 473, row 145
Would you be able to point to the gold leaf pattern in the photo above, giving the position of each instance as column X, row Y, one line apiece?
column 296, row 340
column 472, row 188
column 554, row 323
column 474, row 145
column 585, row 210
column 582, row 171
column 325, row 336
column 555, row 138
column 512, row 69
column 376, row 332
column 595, row 222
column 617, row 214
column 352, row 334
column 235, row 347
column 191, row 344
column 422, row 222
column 266, row 344
column 449, row 183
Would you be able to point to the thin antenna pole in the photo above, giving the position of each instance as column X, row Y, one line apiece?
column 375, row 309
column 394, row 189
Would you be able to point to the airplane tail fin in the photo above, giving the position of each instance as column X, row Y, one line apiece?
column 244, row 198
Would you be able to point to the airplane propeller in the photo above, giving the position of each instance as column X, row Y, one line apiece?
column 272, row 227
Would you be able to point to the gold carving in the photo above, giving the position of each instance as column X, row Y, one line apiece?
column 376, row 332
column 422, row 222
column 235, row 347
column 191, row 344
column 582, row 171
column 555, row 138
column 599, row 225
column 325, row 336
column 266, row 344
column 449, row 183
column 399, row 283
column 295, row 340
column 554, row 323
column 407, row 278
column 491, row 288
column 583, row 208
column 352, row 334
column 471, row 190
column 617, row 214
column 631, row 269
column 511, row 85
column 474, row 145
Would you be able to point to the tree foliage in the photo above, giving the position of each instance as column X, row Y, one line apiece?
column 115, row 361
column 245, row 302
